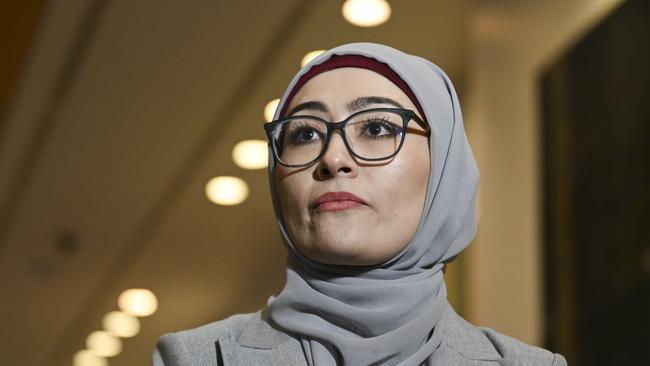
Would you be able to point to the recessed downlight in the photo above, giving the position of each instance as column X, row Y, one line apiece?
column 251, row 154
column 226, row 190
column 269, row 109
column 88, row 358
column 366, row 13
column 310, row 56
column 103, row 344
column 121, row 324
column 138, row 302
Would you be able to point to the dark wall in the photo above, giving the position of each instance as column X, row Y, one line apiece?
column 596, row 131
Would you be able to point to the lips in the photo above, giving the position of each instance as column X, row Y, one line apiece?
column 334, row 201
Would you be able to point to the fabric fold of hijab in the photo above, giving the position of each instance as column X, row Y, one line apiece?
column 386, row 314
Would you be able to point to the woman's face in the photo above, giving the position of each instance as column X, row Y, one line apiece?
column 393, row 191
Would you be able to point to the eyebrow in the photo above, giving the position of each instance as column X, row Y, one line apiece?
column 315, row 106
column 352, row 106
column 363, row 102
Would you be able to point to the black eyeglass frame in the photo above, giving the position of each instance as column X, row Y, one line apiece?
column 406, row 114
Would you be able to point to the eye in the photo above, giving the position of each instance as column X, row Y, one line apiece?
column 378, row 128
column 300, row 133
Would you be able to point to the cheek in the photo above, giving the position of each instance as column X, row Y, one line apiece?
column 405, row 181
column 292, row 191
column 418, row 166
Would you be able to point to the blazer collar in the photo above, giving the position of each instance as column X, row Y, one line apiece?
column 258, row 333
column 460, row 335
column 465, row 338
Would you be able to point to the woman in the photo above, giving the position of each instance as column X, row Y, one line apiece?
column 373, row 184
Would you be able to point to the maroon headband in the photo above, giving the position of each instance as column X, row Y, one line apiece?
column 363, row 62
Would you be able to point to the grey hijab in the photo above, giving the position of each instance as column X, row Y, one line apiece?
column 386, row 314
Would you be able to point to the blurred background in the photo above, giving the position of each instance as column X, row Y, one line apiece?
column 129, row 206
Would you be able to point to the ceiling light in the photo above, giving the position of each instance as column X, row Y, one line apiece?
column 121, row 324
column 104, row 344
column 87, row 358
column 251, row 154
column 366, row 13
column 226, row 190
column 138, row 302
column 269, row 109
column 310, row 56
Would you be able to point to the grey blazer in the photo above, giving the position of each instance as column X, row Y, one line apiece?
column 249, row 339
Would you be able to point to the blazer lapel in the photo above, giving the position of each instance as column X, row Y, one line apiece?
column 261, row 344
column 466, row 344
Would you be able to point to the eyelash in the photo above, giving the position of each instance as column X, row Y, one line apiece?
column 392, row 129
column 295, row 130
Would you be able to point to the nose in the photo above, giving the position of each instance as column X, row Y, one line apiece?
column 337, row 160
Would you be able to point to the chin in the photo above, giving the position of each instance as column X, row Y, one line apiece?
column 347, row 253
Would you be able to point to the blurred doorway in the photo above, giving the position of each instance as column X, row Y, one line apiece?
column 596, row 131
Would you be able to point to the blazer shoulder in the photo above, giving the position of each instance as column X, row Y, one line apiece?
column 472, row 342
column 186, row 347
column 521, row 353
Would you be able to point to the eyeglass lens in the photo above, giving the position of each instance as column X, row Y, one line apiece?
column 372, row 135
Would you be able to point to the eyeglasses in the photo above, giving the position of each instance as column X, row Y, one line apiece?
column 372, row 135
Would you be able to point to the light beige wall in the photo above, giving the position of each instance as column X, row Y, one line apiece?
column 510, row 43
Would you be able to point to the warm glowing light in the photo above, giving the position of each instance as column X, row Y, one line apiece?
column 251, row 154
column 226, row 190
column 269, row 109
column 366, row 13
column 310, row 56
column 104, row 344
column 138, row 302
column 87, row 358
column 121, row 324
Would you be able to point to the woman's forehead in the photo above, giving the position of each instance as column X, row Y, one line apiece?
column 343, row 85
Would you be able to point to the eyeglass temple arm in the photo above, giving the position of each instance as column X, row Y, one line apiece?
column 421, row 122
